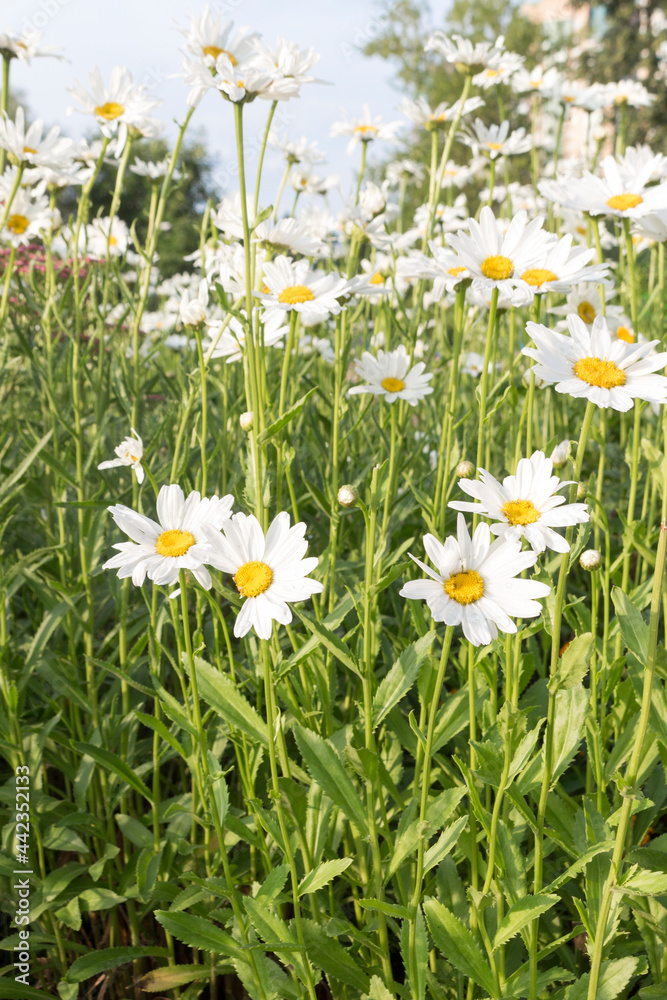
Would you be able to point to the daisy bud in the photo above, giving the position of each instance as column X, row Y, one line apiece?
column 581, row 490
column 246, row 420
column 348, row 496
column 590, row 560
column 559, row 454
column 465, row 469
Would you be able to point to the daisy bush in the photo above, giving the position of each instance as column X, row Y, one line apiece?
column 332, row 581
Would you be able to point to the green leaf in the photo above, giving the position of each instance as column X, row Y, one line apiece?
column 171, row 976
column 327, row 954
column 273, row 884
column 444, row 844
column 323, row 874
column 573, row 664
column 418, row 983
column 520, row 915
column 569, row 725
column 579, row 865
column 329, row 640
column 110, row 958
column 401, row 677
column 288, row 416
column 11, row 990
column 614, row 977
column 457, row 945
column 116, row 765
column 391, row 909
column 11, row 480
column 634, row 629
column 198, row 932
column 224, row 697
column 377, row 991
column 646, row 883
column 158, row 726
column 325, row 768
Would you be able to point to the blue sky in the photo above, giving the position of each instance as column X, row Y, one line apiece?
column 141, row 35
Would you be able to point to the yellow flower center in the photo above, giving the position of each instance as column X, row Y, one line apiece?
column 538, row 276
column 214, row 51
column 135, row 458
column 466, row 587
column 174, row 543
column 29, row 149
column 109, row 111
column 295, row 293
column 497, row 268
column 17, row 224
column 622, row 202
column 492, row 72
column 600, row 372
column 581, row 230
column 521, row 512
column 586, row 312
column 377, row 279
column 568, row 99
column 253, row 578
column 392, row 384
column 366, row 130
column 266, row 290
column 623, row 333
column 494, row 145
column 112, row 241
column 455, row 271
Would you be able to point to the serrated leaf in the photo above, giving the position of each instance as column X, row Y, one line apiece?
column 634, row 629
column 325, row 768
column 171, row 976
column 113, row 763
column 286, row 418
column 520, row 915
column 401, row 677
column 330, row 956
column 573, row 664
column 569, row 725
column 273, row 884
column 377, row 991
column 444, row 844
column 418, row 982
column 329, row 640
column 457, row 945
column 323, row 874
column 95, row 962
column 222, row 695
column 646, row 883
column 197, row 932
column 614, row 977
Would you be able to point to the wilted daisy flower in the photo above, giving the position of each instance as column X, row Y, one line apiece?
column 268, row 571
column 496, row 140
column 496, row 258
column 597, row 366
column 526, row 504
column 653, row 226
column 183, row 537
column 475, row 584
column 27, row 146
column 129, row 452
column 121, row 106
column 291, row 285
column 365, row 129
column 390, row 375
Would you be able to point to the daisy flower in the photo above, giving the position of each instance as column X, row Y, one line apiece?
column 288, row 235
column 129, row 452
column 100, row 239
column 287, row 64
column 525, row 505
column 121, row 106
column 467, row 57
column 183, row 537
column 230, row 342
column 496, row 140
column 29, row 147
column 24, row 46
column 586, row 305
column 365, row 129
column 268, row 571
column 191, row 310
column 390, row 375
column 597, row 366
column 296, row 150
column 632, row 93
column 536, row 81
column 421, row 113
column 474, row 584
column 291, row 285
column 29, row 217
column 499, row 70
column 497, row 259
column 563, row 266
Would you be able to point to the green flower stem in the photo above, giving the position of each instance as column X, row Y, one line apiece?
column 472, row 818
column 262, row 151
column 115, row 202
column 559, row 133
column 391, row 475
column 433, row 176
column 204, row 411
column 445, row 450
column 12, row 194
column 208, row 800
column 284, row 376
column 549, row 734
column 630, row 254
column 4, row 101
column 632, row 501
column 362, row 167
column 449, row 141
column 281, row 188
column 484, row 378
column 373, row 793
column 425, row 782
column 594, row 769
column 530, row 416
column 492, row 181
column 250, row 353
column 630, row 793
column 271, row 720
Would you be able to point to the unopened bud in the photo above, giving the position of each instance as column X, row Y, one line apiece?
column 559, row 454
column 465, row 469
column 246, row 420
column 348, row 496
column 590, row 559
column 581, row 491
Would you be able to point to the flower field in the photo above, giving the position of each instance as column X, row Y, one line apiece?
column 333, row 563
